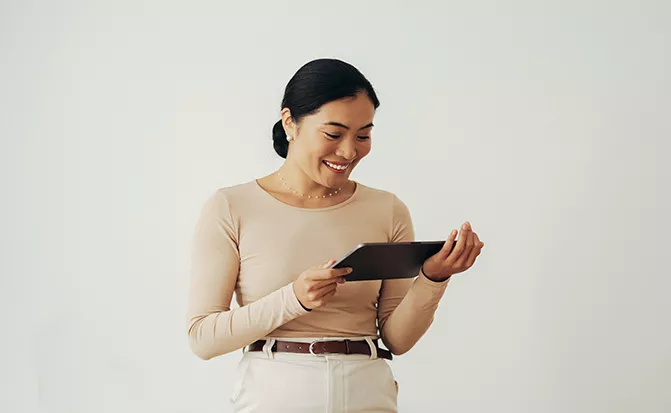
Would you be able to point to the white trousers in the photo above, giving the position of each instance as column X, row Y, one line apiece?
column 269, row 382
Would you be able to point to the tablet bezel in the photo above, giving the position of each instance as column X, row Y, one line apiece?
column 397, row 266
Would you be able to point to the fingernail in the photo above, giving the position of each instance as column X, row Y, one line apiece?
column 464, row 226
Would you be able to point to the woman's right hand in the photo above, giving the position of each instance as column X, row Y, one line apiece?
column 315, row 287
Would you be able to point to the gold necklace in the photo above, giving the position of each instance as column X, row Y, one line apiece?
column 303, row 195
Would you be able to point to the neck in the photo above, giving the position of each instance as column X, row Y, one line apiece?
column 297, row 180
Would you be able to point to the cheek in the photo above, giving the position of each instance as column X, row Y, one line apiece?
column 363, row 150
column 316, row 149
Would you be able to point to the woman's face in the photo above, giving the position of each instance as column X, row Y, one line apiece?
column 331, row 142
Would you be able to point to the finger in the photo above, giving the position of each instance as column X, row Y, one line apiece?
column 317, row 294
column 323, row 299
column 478, row 241
column 322, row 266
column 463, row 258
column 449, row 244
column 330, row 274
column 475, row 251
column 461, row 244
column 319, row 284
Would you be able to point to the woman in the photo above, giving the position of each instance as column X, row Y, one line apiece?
column 310, row 339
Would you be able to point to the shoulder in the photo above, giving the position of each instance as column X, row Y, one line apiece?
column 380, row 195
column 237, row 191
column 225, row 199
column 395, row 211
column 385, row 199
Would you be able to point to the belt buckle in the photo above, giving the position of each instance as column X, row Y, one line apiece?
column 312, row 351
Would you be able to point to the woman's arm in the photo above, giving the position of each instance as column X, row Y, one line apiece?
column 406, row 307
column 213, row 328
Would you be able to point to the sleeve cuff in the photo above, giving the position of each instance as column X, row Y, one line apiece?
column 292, row 304
column 436, row 284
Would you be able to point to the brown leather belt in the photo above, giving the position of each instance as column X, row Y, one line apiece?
column 322, row 348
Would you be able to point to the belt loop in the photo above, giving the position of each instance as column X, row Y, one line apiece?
column 373, row 348
column 268, row 348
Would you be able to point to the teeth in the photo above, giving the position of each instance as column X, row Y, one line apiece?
column 338, row 167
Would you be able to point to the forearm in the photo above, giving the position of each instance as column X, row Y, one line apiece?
column 212, row 334
column 413, row 316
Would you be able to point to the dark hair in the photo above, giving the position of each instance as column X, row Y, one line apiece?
column 315, row 84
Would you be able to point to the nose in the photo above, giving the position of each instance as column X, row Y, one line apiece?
column 346, row 150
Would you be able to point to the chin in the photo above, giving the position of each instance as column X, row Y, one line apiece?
column 334, row 181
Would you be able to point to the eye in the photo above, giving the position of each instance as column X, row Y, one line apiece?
column 363, row 138
column 331, row 136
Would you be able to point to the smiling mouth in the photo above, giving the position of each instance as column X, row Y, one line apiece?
column 336, row 167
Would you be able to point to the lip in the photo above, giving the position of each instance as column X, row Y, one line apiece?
column 338, row 163
column 336, row 171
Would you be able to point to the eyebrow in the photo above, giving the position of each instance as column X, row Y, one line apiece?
column 345, row 126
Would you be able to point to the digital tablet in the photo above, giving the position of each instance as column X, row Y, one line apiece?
column 388, row 260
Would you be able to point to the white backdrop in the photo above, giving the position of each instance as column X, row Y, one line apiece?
column 545, row 125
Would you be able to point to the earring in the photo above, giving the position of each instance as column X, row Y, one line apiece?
column 290, row 138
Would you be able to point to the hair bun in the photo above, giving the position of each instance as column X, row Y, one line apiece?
column 280, row 139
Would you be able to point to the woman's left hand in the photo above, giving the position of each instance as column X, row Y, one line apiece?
column 448, row 261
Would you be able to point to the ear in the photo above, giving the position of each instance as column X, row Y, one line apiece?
column 290, row 127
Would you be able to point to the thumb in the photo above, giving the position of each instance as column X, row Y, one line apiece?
column 328, row 264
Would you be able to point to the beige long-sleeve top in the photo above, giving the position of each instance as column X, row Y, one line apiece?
column 249, row 243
